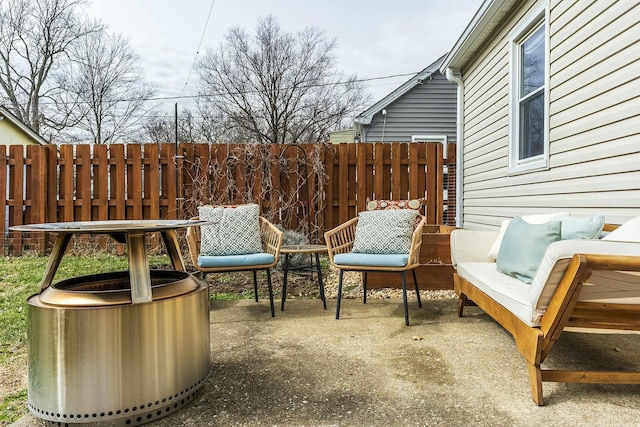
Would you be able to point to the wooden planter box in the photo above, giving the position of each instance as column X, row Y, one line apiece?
column 435, row 271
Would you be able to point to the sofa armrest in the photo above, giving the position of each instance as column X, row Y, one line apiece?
column 471, row 245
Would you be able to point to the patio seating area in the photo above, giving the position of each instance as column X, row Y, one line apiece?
column 370, row 369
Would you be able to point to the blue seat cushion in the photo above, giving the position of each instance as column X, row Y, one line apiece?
column 217, row 261
column 371, row 260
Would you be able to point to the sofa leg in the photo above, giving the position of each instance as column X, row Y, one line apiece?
column 535, row 380
column 339, row 294
column 415, row 283
column 462, row 301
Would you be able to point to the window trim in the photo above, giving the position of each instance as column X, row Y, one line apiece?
column 443, row 139
column 538, row 16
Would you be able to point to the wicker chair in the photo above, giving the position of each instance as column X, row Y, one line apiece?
column 340, row 240
column 271, row 239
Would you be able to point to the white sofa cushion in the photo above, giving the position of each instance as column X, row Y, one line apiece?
column 529, row 302
column 507, row 291
column 627, row 232
column 557, row 257
column 471, row 245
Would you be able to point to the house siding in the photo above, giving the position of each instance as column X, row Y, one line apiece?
column 594, row 121
column 428, row 108
column 10, row 134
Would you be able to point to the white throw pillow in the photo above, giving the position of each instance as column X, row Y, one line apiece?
column 627, row 232
column 531, row 219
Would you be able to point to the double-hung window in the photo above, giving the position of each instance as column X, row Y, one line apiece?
column 528, row 135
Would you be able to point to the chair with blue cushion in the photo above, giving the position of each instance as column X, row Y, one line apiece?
column 380, row 240
column 237, row 239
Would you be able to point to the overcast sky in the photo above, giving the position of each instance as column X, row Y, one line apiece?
column 375, row 38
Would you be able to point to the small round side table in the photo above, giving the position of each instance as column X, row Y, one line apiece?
column 314, row 250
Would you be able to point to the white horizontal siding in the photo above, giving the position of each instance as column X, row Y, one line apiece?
column 594, row 119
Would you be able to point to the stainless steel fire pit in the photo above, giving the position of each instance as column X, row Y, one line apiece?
column 121, row 348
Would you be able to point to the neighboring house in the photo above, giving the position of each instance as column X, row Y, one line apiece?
column 14, row 132
column 422, row 109
column 549, row 96
column 343, row 135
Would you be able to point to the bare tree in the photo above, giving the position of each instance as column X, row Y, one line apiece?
column 278, row 87
column 108, row 87
column 162, row 130
column 34, row 36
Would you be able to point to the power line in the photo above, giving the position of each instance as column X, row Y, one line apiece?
column 174, row 98
column 195, row 58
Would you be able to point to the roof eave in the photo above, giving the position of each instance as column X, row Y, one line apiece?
column 366, row 116
column 486, row 19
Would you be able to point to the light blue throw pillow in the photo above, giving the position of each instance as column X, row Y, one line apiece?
column 523, row 247
column 577, row 227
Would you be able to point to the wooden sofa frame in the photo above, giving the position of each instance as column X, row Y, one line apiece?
column 564, row 310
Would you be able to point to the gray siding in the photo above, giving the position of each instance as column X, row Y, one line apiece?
column 594, row 164
column 427, row 108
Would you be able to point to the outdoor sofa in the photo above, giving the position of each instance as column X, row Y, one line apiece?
column 592, row 282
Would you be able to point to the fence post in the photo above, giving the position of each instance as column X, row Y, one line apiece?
column 37, row 192
column 4, row 160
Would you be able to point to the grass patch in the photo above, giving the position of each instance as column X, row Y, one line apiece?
column 230, row 296
column 12, row 407
column 20, row 278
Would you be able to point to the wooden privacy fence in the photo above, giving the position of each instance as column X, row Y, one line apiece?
column 311, row 192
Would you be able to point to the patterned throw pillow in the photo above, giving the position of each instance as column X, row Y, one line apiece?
column 384, row 231
column 236, row 230
column 375, row 205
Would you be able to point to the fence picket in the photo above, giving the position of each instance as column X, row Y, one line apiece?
column 147, row 182
column 83, row 183
column 16, row 199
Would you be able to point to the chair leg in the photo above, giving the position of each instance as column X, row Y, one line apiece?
column 339, row 294
column 364, row 287
column 320, row 282
column 404, row 298
column 415, row 282
column 284, row 280
column 255, row 284
column 273, row 312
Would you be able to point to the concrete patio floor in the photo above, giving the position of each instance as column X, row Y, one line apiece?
column 305, row 368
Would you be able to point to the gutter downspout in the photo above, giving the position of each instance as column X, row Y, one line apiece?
column 454, row 77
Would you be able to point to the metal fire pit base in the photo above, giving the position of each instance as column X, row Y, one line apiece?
column 96, row 358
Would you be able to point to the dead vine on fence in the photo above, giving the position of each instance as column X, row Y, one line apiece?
column 237, row 174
